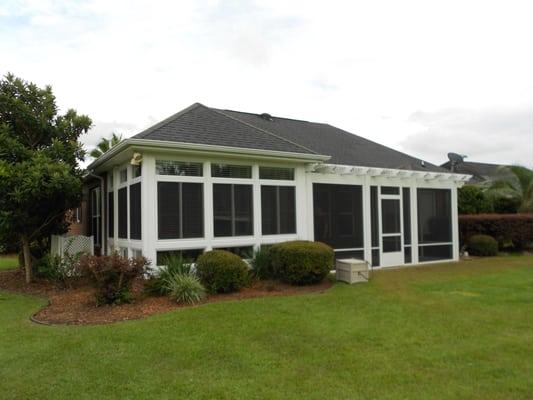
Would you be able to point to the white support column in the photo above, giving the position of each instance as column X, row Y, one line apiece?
column 367, row 219
column 302, row 204
column 414, row 222
column 208, row 205
column 256, row 196
column 455, row 224
column 148, row 208
column 116, row 177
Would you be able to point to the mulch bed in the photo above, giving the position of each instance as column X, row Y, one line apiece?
column 77, row 305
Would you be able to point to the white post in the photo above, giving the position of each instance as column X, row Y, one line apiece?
column 414, row 222
column 367, row 221
column 301, row 203
column 455, row 224
column 256, row 196
column 148, row 208
column 208, row 206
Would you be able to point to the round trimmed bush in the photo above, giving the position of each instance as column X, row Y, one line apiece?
column 222, row 272
column 482, row 245
column 301, row 262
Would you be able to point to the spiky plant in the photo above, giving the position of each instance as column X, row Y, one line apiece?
column 185, row 289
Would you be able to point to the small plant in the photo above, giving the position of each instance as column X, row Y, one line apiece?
column 262, row 263
column 185, row 288
column 158, row 283
column 483, row 245
column 222, row 272
column 301, row 262
column 113, row 276
column 61, row 270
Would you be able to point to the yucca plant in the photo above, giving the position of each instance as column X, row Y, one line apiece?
column 185, row 288
column 515, row 183
column 174, row 265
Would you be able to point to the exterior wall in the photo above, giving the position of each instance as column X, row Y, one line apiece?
column 303, row 183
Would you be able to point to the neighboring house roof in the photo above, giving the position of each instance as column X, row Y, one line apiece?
column 481, row 172
column 204, row 125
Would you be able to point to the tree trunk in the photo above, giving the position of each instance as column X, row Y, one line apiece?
column 27, row 258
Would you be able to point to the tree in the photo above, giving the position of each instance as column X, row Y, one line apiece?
column 513, row 185
column 472, row 200
column 39, row 153
column 105, row 144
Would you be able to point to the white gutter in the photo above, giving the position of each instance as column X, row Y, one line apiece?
column 207, row 148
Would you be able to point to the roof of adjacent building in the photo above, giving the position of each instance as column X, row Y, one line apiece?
column 481, row 172
column 211, row 126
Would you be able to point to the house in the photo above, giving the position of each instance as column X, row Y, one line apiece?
column 207, row 178
column 482, row 173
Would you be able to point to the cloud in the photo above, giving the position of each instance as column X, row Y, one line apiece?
column 489, row 135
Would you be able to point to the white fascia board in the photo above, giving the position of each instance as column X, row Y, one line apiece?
column 389, row 172
column 205, row 149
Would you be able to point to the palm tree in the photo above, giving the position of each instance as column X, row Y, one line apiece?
column 514, row 183
column 105, row 144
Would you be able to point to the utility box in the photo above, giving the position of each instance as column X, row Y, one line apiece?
column 352, row 270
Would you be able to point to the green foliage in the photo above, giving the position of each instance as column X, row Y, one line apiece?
column 113, row 276
column 185, row 288
column 222, row 272
column 472, row 199
column 105, row 145
column 39, row 153
column 301, row 262
column 174, row 265
column 262, row 263
column 505, row 205
column 483, row 245
column 61, row 270
column 515, row 184
column 514, row 230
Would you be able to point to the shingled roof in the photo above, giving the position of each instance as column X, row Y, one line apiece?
column 205, row 125
column 481, row 172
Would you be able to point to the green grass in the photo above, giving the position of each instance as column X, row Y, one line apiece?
column 8, row 262
column 455, row 331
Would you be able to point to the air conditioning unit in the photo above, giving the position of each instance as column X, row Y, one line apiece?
column 352, row 270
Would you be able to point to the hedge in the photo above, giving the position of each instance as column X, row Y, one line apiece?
column 301, row 262
column 508, row 229
column 482, row 245
column 221, row 271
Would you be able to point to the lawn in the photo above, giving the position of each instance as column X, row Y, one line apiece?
column 7, row 262
column 451, row 331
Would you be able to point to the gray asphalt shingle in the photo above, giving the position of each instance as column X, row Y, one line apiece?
column 204, row 125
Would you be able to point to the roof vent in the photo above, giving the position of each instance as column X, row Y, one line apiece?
column 266, row 117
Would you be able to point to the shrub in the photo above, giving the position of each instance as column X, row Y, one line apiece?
column 473, row 200
column 483, row 245
column 113, row 276
column 185, row 288
column 513, row 229
column 301, row 262
column 61, row 270
column 158, row 283
column 262, row 263
column 222, row 272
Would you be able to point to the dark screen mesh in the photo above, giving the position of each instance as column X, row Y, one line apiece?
column 435, row 253
column 135, row 211
column 406, row 198
column 338, row 215
column 374, row 216
column 278, row 210
column 168, row 210
column 434, row 215
column 192, row 202
column 123, row 213
column 110, row 215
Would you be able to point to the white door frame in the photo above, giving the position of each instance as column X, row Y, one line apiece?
column 390, row 259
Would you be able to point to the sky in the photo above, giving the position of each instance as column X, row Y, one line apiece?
column 424, row 77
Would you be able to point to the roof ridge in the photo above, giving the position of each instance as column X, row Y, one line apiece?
column 152, row 128
column 273, row 116
column 261, row 129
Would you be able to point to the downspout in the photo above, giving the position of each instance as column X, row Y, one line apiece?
column 102, row 215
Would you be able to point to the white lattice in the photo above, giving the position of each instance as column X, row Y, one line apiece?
column 72, row 245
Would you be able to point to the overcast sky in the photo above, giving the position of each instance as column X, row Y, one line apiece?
column 425, row 77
